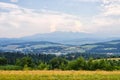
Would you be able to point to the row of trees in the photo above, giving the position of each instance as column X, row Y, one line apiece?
column 62, row 64
column 12, row 56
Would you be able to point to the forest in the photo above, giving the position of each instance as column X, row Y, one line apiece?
column 76, row 61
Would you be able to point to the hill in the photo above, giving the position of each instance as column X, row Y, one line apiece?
column 39, row 47
column 73, row 38
column 61, row 43
column 110, row 47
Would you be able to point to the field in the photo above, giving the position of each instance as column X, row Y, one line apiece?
column 59, row 75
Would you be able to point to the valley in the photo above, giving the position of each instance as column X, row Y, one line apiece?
column 45, row 47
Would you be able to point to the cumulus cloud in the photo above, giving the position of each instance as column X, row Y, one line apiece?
column 87, row 0
column 108, row 20
column 111, row 7
column 16, row 21
column 14, row 0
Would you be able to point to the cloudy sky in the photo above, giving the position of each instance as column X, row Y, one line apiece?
column 27, row 17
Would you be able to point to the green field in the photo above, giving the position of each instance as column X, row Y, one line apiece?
column 59, row 75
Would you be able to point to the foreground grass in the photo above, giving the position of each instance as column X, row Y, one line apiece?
column 59, row 75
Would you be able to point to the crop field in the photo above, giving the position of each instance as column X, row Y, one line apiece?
column 59, row 75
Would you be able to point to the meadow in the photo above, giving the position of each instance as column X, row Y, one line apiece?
column 59, row 75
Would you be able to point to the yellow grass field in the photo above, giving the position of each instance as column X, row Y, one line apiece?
column 59, row 75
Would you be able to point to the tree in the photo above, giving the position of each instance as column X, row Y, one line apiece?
column 57, row 62
column 81, row 63
column 105, row 65
column 78, row 64
column 25, row 61
column 43, row 66
column 3, row 61
column 90, row 64
column 72, row 65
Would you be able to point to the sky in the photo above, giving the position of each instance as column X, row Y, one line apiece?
column 20, row 18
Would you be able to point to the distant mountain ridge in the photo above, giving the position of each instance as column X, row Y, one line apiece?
column 45, row 47
column 73, row 38
column 109, row 47
column 39, row 47
column 60, row 43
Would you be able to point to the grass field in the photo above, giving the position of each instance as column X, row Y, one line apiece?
column 59, row 75
column 116, row 59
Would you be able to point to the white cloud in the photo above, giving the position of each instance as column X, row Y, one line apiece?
column 8, row 6
column 111, row 7
column 14, row 0
column 87, row 0
column 16, row 21
column 108, row 21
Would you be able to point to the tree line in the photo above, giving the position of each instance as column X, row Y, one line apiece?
column 30, row 62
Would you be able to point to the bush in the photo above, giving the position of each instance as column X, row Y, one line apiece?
column 57, row 63
column 26, row 67
column 43, row 66
column 25, row 61
column 10, row 67
column 78, row 64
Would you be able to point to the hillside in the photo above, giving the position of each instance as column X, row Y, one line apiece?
column 73, row 38
column 40, row 47
column 110, row 47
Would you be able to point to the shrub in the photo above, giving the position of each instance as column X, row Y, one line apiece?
column 10, row 67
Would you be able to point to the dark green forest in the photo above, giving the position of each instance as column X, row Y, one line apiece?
column 72, row 61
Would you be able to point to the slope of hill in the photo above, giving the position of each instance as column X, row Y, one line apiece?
column 73, row 38
column 71, row 42
column 110, row 47
column 40, row 47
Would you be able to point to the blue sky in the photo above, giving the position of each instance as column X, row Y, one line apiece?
column 27, row 17
column 65, row 6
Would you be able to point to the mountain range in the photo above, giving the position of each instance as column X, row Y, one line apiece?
column 73, row 38
column 61, row 43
